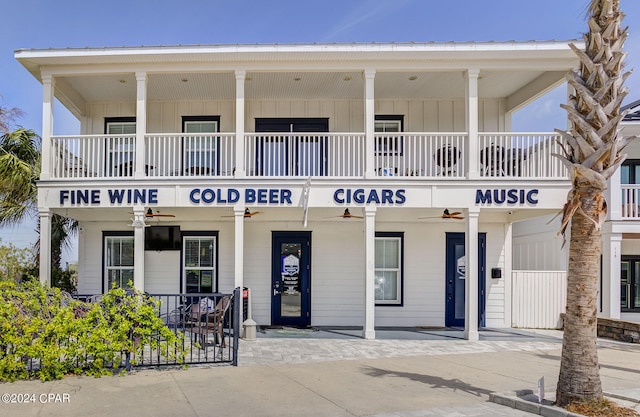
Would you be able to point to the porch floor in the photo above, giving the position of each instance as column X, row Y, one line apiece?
column 407, row 333
column 319, row 344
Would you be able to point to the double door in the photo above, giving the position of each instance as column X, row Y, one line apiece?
column 289, row 149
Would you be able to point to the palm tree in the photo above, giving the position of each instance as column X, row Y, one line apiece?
column 592, row 154
column 19, row 172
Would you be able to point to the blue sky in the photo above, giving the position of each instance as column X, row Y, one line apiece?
column 76, row 23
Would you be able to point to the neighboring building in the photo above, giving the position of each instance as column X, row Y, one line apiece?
column 538, row 248
column 203, row 137
column 621, row 233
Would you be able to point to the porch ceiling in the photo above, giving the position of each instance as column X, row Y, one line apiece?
column 408, row 85
column 516, row 71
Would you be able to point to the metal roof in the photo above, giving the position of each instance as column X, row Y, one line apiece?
column 634, row 113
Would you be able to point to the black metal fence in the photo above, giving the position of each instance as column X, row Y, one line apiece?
column 208, row 326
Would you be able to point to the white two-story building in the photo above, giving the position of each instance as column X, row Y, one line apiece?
column 320, row 176
column 538, row 249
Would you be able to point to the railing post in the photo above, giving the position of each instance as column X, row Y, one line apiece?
column 141, row 124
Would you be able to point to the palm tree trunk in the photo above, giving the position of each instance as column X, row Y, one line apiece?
column 592, row 154
column 579, row 370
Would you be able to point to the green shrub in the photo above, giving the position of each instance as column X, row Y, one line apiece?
column 43, row 327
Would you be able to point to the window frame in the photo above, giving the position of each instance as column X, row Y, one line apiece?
column 210, row 146
column 105, row 275
column 396, row 236
column 112, row 165
column 187, row 235
column 395, row 141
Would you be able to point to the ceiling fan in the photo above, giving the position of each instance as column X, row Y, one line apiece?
column 347, row 215
column 150, row 214
column 247, row 213
column 446, row 215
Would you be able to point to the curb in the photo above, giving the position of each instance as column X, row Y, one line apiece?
column 525, row 400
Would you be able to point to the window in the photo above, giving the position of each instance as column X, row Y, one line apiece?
column 388, row 268
column 118, row 260
column 121, row 148
column 200, row 260
column 200, row 150
column 630, row 284
column 388, row 145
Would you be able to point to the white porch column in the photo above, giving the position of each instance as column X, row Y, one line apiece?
column 141, row 123
column 238, row 212
column 368, row 330
column 369, row 123
column 471, row 102
column 241, row 170
column 613, row 195
column 138, row 247
column 48, row 88
column 611, row 264
column 471, row 276
column 45, row 246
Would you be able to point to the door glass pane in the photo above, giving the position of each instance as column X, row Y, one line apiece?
column 291, row 297
column 461, row 267
column 635, row 287
column 624, row 285
column 624, row 174
column 309, row 158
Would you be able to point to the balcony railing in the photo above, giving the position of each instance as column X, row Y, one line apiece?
column 420, row 154
column 630, row 201
column 302, row 155
column 190, row 155
column 338, row 155
column 522, row 155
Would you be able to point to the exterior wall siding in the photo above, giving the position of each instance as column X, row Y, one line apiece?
column 344, row 115
column 337, row 268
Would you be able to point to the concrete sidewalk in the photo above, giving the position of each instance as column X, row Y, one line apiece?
column 332, row 377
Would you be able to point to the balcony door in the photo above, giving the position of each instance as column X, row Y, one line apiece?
column 283, row 153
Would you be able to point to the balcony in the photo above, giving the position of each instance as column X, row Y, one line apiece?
column 406, row 155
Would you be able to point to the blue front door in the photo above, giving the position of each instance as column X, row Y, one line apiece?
column 291, row 279
column 455, row 275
